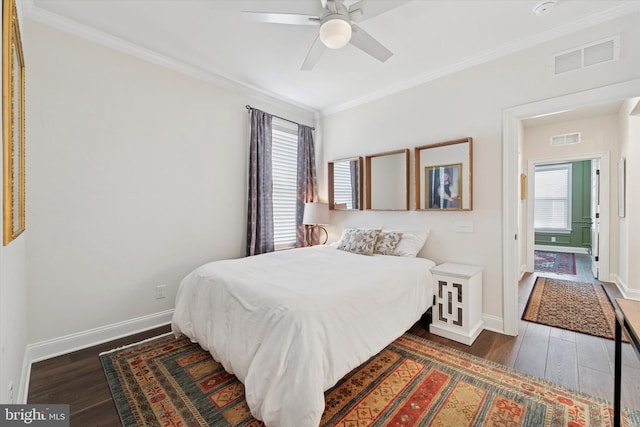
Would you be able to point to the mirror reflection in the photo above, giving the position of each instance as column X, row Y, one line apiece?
column 443, row 175
column 345, row 184
column 387, row 180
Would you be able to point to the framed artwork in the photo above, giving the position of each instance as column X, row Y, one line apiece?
column 431, row 161
column 622, row 176
column 443, row 189
column 13, row 149
column 523, row 186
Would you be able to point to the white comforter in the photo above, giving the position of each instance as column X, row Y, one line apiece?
column 290, row 324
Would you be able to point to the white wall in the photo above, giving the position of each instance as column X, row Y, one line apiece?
column 13, row 317
column 470, row 103
column 628, row 270
column 135, row 175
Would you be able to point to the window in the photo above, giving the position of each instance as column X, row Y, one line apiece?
column 553, row 198
column 284, row 157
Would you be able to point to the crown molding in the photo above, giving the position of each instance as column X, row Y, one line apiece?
column 627, row 8
column 77, row 29
column 31, row 11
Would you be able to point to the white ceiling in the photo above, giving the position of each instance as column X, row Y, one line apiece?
column 577, row 114
column 429, row 39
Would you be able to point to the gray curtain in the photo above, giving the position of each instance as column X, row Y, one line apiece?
column 260, row 206
column 307, row 185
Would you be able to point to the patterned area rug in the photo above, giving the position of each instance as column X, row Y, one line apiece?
column 555, row 262
column 576, row 306
column 412, row 382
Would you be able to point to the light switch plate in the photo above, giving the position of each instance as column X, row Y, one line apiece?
column 463, row 226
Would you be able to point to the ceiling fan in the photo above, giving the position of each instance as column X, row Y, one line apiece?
column 336, row 29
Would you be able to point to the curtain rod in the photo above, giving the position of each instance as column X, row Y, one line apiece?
column 249, row 108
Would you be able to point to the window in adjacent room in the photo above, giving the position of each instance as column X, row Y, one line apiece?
column 284, row 155
column 553, row 198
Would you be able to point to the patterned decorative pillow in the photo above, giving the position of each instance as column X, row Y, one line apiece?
column 359, row 240
column 387, row 242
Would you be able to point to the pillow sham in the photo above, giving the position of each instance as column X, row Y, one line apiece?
column 387, row 242
column 411, row 242
column 358, row 240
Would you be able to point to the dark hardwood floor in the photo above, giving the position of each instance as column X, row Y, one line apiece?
column 577, row 361
column 78, row 380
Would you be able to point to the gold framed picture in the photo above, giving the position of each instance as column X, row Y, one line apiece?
column 443, row 189
column 13, row 145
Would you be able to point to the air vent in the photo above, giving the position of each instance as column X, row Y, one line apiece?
column 587, row 55
column 566, row 139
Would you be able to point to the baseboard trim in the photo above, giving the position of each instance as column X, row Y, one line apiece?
column 493, row 323
column 624, row 289
column 47, row 349
column 567, row 249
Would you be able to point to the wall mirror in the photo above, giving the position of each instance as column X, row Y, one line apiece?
column 443, row 175
column 12, row 125
column 387, row 181
column 345, row 184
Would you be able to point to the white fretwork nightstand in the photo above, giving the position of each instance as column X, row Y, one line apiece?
column 457, row 313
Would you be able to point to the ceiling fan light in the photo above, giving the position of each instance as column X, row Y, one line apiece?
column 335, row 32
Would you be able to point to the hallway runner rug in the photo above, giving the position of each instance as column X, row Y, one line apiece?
column 555, row 262
column 576, row 306
column 412, row 382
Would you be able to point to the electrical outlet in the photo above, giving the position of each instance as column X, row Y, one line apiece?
column 161, row 291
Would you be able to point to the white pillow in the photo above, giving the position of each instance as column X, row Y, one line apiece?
column 411, row 242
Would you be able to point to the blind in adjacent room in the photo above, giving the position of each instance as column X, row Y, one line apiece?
column 284, row 153
column 553, row 198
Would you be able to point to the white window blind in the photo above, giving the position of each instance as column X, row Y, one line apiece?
column 342, row 192
column 284, row 157
column 553, row 198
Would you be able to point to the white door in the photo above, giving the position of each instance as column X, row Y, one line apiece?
column 595, row 217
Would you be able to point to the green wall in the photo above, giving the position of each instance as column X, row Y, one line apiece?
column 580, row 236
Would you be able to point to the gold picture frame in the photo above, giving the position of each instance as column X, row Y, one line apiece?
column 622, row 183
column 13, row 145
column 443, row 189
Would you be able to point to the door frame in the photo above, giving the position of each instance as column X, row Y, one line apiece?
column 605, row 169
column 511, row 141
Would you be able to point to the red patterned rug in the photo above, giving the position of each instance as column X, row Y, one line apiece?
column 555, row 262
column 412, row 382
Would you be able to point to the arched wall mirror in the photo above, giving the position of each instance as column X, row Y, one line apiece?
column 443, row 175
column 345, row 184
column 387, row 181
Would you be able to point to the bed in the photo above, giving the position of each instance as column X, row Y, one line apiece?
column 290, row 324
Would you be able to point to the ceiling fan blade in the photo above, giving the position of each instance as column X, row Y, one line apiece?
column 324, row 3
column 370, row 9
column 282, row 18
column 355, row 11
column 363, row 41
column 317, row 48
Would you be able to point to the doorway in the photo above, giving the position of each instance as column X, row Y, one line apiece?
column 564, row 218
column 511, row 147
column 587, row 226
